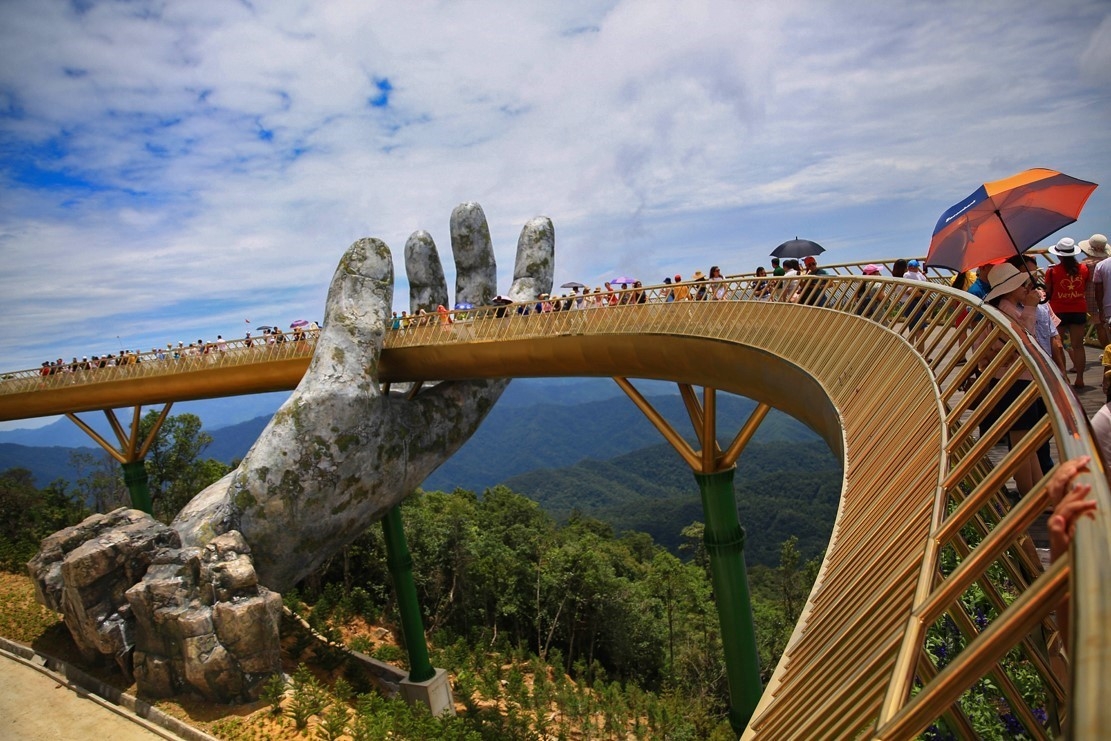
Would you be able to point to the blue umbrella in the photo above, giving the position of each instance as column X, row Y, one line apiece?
column 464, row 305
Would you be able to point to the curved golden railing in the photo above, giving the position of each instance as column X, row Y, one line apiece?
column 158, row 377
column 927, row 551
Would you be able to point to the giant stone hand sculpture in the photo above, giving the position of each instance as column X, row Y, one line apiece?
column 339, row 453
column 336, row 457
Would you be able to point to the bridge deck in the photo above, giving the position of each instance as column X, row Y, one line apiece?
column 926, row 541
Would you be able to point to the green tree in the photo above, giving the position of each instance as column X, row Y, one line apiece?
column 694, row 543
column 100, row 481
column 665, row 581
column 441, row 531
column 789, row 578
column 27, row 515
column 18, row 499
column 510, row 530
column 175, row 470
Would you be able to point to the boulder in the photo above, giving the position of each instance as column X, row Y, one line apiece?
column 204, row 623
column 176, row 619
column 84, row 571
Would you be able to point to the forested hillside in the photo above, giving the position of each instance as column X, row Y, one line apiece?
column 599, row 456
column 783, row 490
column 515, row 440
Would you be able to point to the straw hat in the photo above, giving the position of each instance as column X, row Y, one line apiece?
column 1004, row 279
column 1095, row 246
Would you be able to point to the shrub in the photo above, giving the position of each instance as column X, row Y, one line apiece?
column 333, row 723
column 308, row 697
column 273, row 692
column 390, row 654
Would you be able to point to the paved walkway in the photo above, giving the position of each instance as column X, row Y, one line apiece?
column 1092, row 396
column 42, row 699
column 44, row 707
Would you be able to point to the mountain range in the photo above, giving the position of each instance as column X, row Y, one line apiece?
column 572, row 445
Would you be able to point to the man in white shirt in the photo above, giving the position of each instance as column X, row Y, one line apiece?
column 1095, row 246
column 914, row 271
column 1101, row 420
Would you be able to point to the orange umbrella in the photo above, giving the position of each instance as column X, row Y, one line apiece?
column 1006, row 217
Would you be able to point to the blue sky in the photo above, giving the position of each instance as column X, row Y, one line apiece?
column 169, row 170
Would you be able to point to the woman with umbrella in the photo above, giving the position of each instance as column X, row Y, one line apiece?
column 1065, row 284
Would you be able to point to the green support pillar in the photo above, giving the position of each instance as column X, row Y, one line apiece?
column 401, row 569
column 725, row 542
column 135, row 478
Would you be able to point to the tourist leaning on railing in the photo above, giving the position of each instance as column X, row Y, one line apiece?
column 1015, row 296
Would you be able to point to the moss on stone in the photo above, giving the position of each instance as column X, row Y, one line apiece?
column 244, row 500
column 343, row 442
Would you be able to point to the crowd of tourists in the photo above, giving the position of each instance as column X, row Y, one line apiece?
column 269, row 337
column 700, row 287
column 1057, row 306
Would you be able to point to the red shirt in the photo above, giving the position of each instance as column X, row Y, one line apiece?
column 1066, row 292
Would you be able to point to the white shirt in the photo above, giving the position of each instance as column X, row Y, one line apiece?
column 1101, row 426
column 1103, row 276
column 792, row 285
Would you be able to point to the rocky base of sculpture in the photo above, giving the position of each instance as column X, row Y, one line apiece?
column 84, row 571
column 174, row 619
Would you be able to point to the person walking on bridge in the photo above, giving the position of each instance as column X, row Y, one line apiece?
column 1064, row 285
column 1095, row 252
column 1014, row 294
column 813, row 292
column 683, row 291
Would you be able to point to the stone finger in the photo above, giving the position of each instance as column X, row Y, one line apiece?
column 276, row 497
column 356, row 314
column 451, row 411
column 427, row 287
column 534, row 268
column 476, row 272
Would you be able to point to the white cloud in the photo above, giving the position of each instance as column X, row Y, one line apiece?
column 230, row 152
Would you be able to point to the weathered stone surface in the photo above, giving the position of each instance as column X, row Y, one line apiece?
column 205, row 625
column 178, row 619
column 340, row 453
column 186, row 607
column 154, row 674
column 427, row 287
column 46, row 567
column 249, row 629
column 535, row 265
column 84, row 571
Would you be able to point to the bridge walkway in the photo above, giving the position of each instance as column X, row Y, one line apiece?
column 927, row 549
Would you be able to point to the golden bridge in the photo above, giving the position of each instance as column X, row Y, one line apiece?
column 925, row 526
